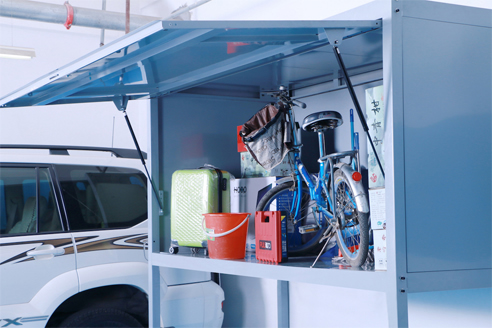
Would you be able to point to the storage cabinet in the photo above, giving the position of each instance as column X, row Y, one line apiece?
column 438, row 149
column 438, row 119
column 205, row 78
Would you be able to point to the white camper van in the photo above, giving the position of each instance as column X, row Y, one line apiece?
column 73, row 226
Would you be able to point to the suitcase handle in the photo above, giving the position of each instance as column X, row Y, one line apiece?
column 219, row 176
column 222, row 184
column 222, row 234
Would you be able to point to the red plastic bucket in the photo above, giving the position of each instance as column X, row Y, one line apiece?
column 226, row 234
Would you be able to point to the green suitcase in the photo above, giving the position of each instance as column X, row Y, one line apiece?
column 193, row 193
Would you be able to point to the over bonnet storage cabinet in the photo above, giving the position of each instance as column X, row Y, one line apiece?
column 437, row 142
column 204, row 79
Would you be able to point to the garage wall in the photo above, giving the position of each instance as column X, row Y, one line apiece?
column 55, row 46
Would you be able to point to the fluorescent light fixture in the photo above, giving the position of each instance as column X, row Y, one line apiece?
column 16, row 52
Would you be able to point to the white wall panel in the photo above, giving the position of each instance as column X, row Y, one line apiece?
column 321, row 306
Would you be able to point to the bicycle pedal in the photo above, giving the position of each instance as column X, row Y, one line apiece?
column 308, row 228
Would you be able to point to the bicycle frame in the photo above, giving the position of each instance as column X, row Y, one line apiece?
column 327, row 164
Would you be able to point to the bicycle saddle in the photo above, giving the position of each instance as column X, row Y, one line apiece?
column 321, row 121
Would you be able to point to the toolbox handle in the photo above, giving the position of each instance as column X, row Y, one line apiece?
column 222, row 234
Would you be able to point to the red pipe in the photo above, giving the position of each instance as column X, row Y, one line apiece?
column 69, row 21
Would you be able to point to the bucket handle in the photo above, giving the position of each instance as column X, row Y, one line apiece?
column 222, row 234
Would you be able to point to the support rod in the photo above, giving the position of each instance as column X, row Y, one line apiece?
column 156, row 194
column 356, row 103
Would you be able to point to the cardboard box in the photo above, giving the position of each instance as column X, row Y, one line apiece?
column 377, row 204
column 375, row 115
column 380, row 258
column 245, row 196
column 251, row 169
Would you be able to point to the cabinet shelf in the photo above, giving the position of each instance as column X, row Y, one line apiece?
column 294, row 270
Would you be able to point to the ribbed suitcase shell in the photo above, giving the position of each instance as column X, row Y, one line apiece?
column 193, row 193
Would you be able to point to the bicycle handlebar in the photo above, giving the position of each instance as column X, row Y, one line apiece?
column 300, row 104
column 293, row 102
column 284, row 97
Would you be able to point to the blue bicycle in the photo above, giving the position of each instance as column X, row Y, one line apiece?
column 330, row 203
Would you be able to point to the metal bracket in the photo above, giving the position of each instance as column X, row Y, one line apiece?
column 59, row 152
column 335, row 35
column 402, row 284
column 121, row 102
column 283, row 304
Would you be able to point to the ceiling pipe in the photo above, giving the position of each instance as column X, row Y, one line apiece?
column 67, row 15
column 186, row 9
column 51, row 13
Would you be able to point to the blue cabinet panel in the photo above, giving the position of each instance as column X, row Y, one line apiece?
column 447, row 131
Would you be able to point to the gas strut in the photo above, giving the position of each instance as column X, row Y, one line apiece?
column 356, row 103
column 142, row 159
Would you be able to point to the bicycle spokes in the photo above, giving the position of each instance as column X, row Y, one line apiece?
column 347, row 217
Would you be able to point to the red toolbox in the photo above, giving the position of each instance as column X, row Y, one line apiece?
column 271, row 236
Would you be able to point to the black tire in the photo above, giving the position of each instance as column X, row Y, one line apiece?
column 100, row 317
column 353, row 227
column 173, row 250
column 310, row 242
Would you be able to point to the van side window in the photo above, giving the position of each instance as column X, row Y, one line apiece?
column 27, row 201
column 103, row 197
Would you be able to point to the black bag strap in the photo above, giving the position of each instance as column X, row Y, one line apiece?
column 222, row 183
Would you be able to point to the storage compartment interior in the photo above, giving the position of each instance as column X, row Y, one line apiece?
column 198, row 125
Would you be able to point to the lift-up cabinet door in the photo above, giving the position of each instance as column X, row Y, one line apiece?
column 169, row 57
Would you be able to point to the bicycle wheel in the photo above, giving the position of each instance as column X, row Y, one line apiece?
column 352, row 217
column 280, row 198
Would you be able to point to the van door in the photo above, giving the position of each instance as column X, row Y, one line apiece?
column 107, row 215
column 35, row 248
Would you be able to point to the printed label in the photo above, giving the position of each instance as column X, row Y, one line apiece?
column 283, row 230
column 377, row 204
column 240, row 190
column 266, row 244
column 375, row 116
